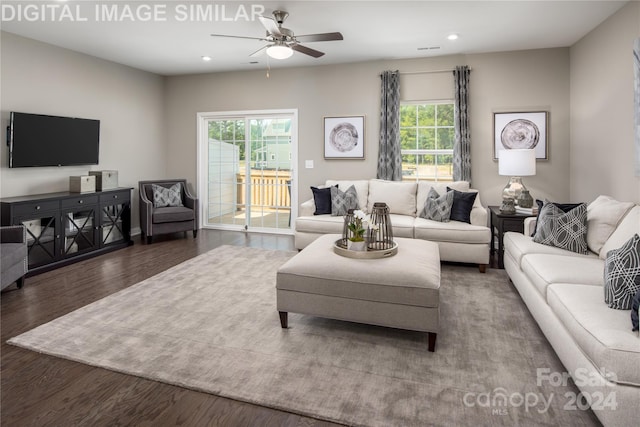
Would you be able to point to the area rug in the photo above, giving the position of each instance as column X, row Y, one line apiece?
column 210, row 324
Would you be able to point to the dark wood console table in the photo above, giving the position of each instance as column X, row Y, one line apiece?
column 500, row 224
column 65, row 227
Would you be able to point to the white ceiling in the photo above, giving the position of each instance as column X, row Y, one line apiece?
column 372, row 30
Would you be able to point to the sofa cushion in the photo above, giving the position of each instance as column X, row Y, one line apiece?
column 402, row 225
column 462, row 204
column 399, row 196
column 441, row 187
column 322, row 224
column 629, row 226
column 622, row 274
column 452, row 231
column 322, row 200
column 603, row 216
column 437, row 207
column 518, row 245
column 361, row 185
column 602, row 334
column 172, row 214
column 546, row 269
column 566, row 230
column 343, row 201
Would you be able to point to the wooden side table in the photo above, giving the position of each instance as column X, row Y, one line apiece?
column 500, row 224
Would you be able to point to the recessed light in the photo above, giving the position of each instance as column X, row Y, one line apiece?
column 206, row 58
column 452, row 36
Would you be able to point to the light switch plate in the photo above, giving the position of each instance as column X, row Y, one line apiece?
column 308, row 164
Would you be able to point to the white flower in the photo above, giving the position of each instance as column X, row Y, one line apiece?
column 359, row 214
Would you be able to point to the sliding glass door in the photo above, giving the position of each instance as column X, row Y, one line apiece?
column 246, row 169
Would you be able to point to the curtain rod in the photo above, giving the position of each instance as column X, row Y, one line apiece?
column 449, row 70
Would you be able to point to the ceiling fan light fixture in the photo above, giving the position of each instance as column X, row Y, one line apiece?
column 279, row 51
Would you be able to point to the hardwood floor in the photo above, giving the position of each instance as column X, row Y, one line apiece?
column 40, row 390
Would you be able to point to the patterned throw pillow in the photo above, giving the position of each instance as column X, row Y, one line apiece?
column 622, row 274
column 342, row 201
column 164, row 197
column 437, row 207
column 566, row 230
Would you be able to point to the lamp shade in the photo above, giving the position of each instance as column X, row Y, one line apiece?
column 517, row 162
column 279, row 51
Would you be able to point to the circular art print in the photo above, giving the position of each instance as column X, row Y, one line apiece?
column 343, row 137
column 520, row 134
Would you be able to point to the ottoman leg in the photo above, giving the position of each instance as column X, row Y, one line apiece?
column 284, row 319
column 432, row 341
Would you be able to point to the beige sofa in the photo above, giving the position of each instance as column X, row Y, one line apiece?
column 457, row 241
column 564, row 293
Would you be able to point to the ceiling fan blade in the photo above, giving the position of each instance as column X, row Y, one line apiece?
column 271, row 25
column 307, row 51
column 239, row 37
column 259, row 51
column 323, row 37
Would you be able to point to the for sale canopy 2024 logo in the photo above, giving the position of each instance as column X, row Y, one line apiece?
column 128, row 11
column 499, row 400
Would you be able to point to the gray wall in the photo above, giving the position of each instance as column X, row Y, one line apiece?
column 602, row 127
column 524, row 81
column 43, row 79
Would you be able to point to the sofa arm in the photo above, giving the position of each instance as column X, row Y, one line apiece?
column 479, row 215
column 530, row 225
column 307, row 208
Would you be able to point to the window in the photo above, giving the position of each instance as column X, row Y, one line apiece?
column 426, row 140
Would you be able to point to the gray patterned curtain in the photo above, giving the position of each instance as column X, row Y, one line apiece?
column 389, row 157
column 462, row 144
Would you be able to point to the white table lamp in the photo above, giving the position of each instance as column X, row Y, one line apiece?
column 516, row 164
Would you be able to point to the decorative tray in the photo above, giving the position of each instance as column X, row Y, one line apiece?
column 340, row 247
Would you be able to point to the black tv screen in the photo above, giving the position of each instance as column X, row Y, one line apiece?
column 40, row 140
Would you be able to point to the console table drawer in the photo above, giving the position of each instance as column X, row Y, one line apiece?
column 115, row 197
column 34, row 208
column 75, row 202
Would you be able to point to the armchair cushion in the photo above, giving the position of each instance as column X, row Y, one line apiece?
column 163, row 196
column 172, row 214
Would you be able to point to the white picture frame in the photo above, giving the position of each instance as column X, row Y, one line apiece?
column 344, row 138
column 527, row 130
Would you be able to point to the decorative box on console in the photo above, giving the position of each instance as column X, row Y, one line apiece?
column 105, row 180
column 82, row 184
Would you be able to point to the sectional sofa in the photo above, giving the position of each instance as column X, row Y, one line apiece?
column 564, row 293
column 457, row 241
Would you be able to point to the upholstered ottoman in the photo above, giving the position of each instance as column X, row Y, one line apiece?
column 402, row 291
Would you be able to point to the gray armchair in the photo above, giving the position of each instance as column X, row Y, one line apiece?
column 13, row 254
column 167, row 219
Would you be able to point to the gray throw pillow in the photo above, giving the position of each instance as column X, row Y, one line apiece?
column 566, row 230
column 342, row 201
column 166, row 197
column 622, row 274
column 437, row 207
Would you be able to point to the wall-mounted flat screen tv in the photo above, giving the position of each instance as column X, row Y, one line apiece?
column 40, row 140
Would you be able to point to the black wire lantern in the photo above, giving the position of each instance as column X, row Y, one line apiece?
column 381, row 237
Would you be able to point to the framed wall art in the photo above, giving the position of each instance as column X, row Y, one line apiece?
column 521, row 130
column 344, row 137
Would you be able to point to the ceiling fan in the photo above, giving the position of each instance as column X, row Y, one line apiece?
column 282, row 41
